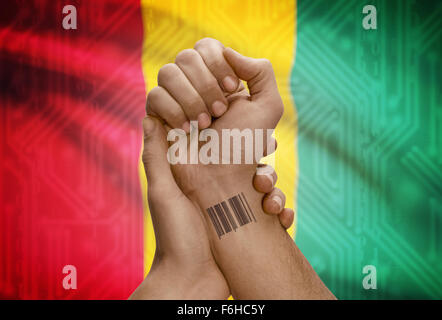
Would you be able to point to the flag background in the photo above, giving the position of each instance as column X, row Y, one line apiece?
column 359, row 147
column 71, row 106
column 264, row 29
column 370, row 146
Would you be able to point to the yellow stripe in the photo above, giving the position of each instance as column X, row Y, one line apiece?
column 259, row 29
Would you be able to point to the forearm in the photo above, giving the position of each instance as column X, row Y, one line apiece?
column 259, row 259
column 169, row 281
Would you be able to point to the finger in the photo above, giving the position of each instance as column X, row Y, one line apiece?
column 164, row 196
column 171, row 78
column 193, row 66
column 211, row 51
column 264, row 179
column 260, row 79
column 240, row 93
column 157, row 168
column 161, row 104
column 274, row 202
column 286, row 217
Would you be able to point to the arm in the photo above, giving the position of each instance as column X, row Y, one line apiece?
column 183, row 267
column 259, row 260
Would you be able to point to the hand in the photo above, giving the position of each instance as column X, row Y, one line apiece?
column 189, row 83
column 257, row 248
column 195, row 87
column 183, row 266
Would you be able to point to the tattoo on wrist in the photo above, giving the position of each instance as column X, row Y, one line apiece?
column 230, row 214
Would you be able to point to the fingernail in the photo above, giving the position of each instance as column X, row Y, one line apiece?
column 148, row 125
column 278, row 200
column 264, row 170
column 203, row 120
column 229, row 84
column 186, row 126
column 270, row 178
column 218, row 108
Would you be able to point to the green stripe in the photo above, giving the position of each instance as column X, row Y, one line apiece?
column 370, row 146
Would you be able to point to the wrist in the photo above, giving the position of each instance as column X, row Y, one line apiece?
column 230, row 200
column 216, row 184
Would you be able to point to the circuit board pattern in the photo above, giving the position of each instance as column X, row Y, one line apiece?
column 370, row 146
column 71, row 105
column 369, row 140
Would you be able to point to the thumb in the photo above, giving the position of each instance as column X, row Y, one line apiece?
column 257, row 72
column 157, row 168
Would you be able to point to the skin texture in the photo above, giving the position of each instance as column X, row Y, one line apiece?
column 260, row 260
column 184, row 269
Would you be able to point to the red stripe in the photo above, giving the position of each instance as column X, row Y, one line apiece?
column 71, row 108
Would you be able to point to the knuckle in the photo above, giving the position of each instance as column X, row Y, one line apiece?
column 167, row 71
column 265, row 64
column 217, row 65
column 194, row 105
column 209, row 87
column 175, row 114
column 153, row 96
column 186, row 56
column 206, row 42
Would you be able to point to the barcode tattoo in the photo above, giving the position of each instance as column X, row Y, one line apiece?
column 228, row 214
